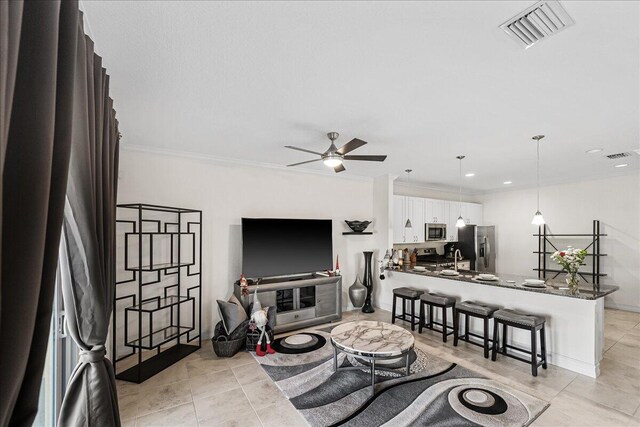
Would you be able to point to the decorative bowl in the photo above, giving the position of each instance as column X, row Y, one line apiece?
column 358, row 226
column 486, row 276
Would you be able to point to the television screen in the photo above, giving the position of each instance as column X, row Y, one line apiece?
column 279, row 247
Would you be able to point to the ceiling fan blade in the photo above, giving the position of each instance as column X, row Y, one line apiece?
column 369, row 158
column 351, row 145
column 339, row 168
column 302, row 149
column 302, row 163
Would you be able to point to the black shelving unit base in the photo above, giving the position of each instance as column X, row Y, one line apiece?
column 157, row 363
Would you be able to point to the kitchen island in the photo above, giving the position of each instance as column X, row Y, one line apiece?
column 574, row 323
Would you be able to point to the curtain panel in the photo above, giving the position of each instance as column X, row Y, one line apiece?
column 58, row 164
column 88, row 249
column 37, row 57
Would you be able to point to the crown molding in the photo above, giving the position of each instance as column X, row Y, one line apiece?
column 230, row 162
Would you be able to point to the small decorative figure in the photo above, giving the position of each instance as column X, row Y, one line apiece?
column 244, row 288
column 337, row 271
column 259, row 318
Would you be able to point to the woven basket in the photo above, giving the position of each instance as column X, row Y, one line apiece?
column 228, row 346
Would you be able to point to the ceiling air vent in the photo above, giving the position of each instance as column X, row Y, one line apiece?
column 537, row 23
column 618, row 156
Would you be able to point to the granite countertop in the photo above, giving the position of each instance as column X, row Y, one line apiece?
column 515, row 282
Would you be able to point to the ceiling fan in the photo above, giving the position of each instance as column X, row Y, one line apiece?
column 334, row 157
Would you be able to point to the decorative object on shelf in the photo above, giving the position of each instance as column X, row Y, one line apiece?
column 413, row 258
column 408, row 223
column 244, row 286
column 368, row 282
column 570, row 260
column 406, row 257
column 157, row 300
column 460, row 222
column 337, row 270
column 537, row 217
column 381, row 268
column 259, row 318
column 358, row 226
column 357, row 293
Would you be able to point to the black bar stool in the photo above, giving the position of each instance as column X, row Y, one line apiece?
column 406, row 294
column 473, row 309
column 433, row 301
column 525, row 321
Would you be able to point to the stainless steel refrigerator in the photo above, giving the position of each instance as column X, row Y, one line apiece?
column 486, row 248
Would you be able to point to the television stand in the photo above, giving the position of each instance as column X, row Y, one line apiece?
column 300, row 301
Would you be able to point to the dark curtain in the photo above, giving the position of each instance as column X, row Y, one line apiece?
column 88, row 250
column 37, row 53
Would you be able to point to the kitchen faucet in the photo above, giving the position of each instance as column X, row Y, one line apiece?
column 455, row 259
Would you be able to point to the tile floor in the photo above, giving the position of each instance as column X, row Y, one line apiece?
column 204, row 390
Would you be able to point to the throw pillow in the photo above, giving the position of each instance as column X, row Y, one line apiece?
column 231, row 313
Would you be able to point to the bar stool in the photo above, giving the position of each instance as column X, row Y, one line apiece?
column 406, row 294
column 525, row 321
column 473, row 309
column 433, row 301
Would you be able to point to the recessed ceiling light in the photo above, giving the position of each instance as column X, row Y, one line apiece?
column 508, row 182
column 469, row 174
column 594, row 150
column 622, row 165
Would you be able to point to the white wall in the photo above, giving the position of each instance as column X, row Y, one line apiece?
column 226, row 193
column 570, row 208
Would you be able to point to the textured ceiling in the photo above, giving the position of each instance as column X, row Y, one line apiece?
column 421, row 81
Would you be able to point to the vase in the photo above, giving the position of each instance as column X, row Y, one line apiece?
column 367, row 282
column 572, row 283
column 357, row 293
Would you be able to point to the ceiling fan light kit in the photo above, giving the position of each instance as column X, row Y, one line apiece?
column 334, row 157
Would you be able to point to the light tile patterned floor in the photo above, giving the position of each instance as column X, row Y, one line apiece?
column 204, row 390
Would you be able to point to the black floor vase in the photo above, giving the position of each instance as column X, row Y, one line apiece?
column 368, row 282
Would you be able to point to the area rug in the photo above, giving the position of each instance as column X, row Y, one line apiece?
column 436, row 393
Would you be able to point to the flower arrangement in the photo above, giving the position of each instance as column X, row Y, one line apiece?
column 570, row 260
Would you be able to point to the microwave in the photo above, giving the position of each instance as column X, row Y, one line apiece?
column 435, row 232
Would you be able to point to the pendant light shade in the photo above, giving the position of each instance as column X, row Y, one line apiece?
column 460, row 222
column 538, row 219
column 408, row 223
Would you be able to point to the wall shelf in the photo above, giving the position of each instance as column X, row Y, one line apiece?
column 353, row 233
column 157, row 314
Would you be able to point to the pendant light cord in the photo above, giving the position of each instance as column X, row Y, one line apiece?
column 538, row 173
column 460, row 190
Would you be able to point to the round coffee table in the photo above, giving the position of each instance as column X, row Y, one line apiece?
column 371, row 341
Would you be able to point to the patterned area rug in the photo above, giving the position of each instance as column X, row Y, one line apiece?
column 437, row 393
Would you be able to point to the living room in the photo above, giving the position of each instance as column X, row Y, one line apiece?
column 321, row 213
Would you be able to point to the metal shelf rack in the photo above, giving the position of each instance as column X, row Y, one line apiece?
column 157, row 303
column 545, row 239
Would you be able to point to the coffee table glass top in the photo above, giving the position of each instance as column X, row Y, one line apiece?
column 367, row 337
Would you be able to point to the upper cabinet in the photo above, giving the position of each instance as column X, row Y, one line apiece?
column 420, row 211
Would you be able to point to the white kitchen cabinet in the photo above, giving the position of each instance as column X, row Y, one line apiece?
column 399, row 219
column 435, row 211
column 416, row 214
column 452, row 211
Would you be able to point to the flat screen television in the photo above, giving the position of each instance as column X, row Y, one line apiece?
column 280, row 247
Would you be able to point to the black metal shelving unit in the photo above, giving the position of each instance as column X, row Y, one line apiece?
column 158, row 302
column 545, row 240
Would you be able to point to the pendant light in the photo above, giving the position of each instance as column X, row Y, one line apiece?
column 537, row 217
column 460, row 222
column 408, row 223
